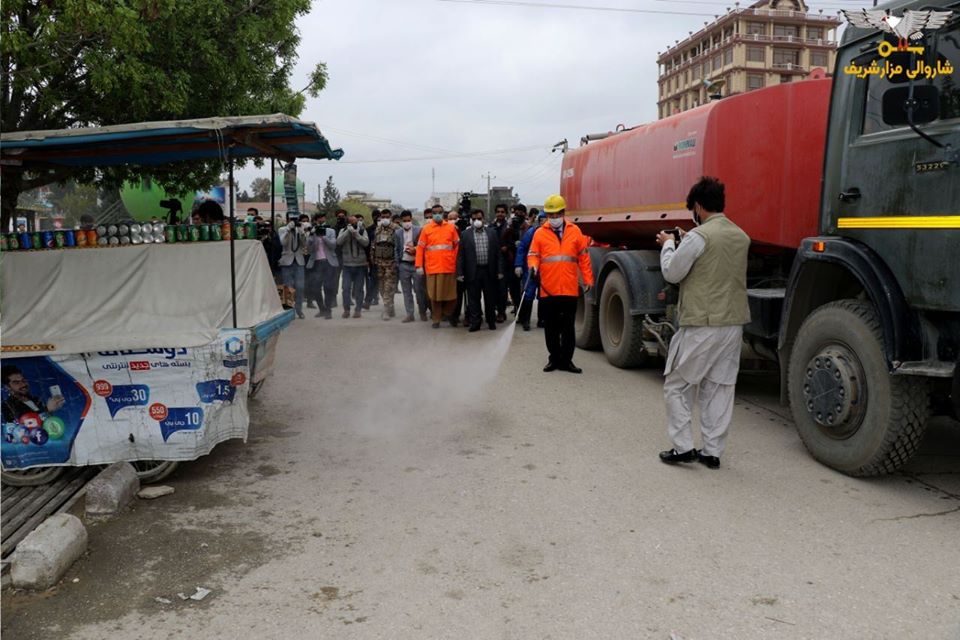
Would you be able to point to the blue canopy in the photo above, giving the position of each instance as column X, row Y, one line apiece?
column 155, row 143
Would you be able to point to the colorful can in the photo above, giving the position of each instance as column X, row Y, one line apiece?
column 225, row 229
column 182, row 234
column 251, row 231
column 204, row 232
column 69, row 238
column 13, row 242
column 215, row 232
column 37, row 239
column 170, row 233
column 26, row 240
column 4, row 243
column 59, row 239
column 92, row 239
column 47, row 240
column 194, row 233
column 81, row 238
column 239, row 231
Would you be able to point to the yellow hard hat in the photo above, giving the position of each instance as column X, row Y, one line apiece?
column 555, row 203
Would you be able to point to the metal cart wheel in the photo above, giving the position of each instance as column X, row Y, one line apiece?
column 150, row 471
column 30, row 477
column 255, row 388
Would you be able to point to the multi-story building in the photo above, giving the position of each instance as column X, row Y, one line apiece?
column 769, row 42
column 367, row 198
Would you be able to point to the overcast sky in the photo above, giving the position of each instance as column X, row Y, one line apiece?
column 430, row 79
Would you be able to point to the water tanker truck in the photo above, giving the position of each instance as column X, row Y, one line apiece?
column 849, row 188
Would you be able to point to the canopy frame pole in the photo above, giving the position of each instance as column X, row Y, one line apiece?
column 233, row 259
column 273, row 203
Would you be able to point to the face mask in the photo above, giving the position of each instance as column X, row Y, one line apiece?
column 384, row 222
column 556, row 223
column 438, row 218
column 341, row 222
column 478, row 223
column 407, row 226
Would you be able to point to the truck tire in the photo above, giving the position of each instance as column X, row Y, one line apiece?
column 587, row 324
column 621, row 333
column 851, row 414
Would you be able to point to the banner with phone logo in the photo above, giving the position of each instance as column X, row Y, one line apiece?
column 112, row 406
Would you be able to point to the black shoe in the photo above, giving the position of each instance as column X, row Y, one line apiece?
column 492, row 325
column 454, row 322
column 539, row 324
column 300, row 314
column 474, row 328
column 550, row 367
column 526, row 326
column 710, row 462
column 320, row 314
column 572, row 368
column 366, row 305
column 436, row 325
column 672, row 457
column 311, row 305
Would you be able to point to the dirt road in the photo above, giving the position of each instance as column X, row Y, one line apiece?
column 400, row 483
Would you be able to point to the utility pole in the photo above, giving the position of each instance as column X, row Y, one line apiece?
column 488, row 177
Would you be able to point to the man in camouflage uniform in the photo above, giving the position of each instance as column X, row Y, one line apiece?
column 384, row 261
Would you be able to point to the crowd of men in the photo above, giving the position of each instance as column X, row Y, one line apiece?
column 476, row 275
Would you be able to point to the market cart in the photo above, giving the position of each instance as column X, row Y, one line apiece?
column 148, row 352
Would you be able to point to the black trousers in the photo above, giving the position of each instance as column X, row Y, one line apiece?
column 558, row 314
column 526, row 310
column 513, row 284
column 486, row 285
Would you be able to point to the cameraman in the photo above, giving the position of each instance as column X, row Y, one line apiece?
column 321, row 269
column 509, row 241
column 353, row 242
column 710, row 265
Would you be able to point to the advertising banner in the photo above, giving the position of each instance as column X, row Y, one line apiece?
column 111, row 406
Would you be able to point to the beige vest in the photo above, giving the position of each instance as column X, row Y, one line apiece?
column 714, row 293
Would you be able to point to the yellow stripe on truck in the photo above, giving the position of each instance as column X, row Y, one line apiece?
column 901, row 222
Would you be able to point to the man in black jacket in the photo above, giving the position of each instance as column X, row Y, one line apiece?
column 479, row 266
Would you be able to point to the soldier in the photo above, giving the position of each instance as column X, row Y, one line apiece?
column 384, row 261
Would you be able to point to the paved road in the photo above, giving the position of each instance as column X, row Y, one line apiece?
column 400, row 483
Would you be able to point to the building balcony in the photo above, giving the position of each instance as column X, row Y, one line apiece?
column 789, row 66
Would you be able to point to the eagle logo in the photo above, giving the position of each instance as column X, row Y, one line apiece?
column 910, row 26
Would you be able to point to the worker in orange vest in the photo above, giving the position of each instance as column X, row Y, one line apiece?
column 437, row 258
column 558, row 255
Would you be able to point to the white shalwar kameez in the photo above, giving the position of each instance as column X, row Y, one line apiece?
column 702, row 361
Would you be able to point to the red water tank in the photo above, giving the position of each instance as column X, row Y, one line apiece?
column 766, row 146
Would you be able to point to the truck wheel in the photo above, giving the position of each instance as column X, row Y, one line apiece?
column 851, row 414
column 621, row 333
column 587, row 324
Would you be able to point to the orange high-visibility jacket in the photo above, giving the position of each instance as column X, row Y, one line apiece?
column 437, row 249
column 557, row 260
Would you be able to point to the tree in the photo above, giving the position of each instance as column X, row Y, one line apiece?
column 103, row 62
column 260, row 189
column 331, row 198
column 243, row 196
column 352, row 207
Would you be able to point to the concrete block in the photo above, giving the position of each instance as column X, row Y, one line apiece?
column 156, row 491
column 42, row 558
column 112, row 489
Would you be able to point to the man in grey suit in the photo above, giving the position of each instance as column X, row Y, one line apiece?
column 295, row 248
column 480, row 268
column 407, row 237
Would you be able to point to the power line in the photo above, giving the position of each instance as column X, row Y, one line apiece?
column 454, row 156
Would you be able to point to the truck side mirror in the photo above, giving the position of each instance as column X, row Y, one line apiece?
column 897, row 105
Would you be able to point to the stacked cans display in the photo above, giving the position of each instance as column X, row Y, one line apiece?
column 119, row 234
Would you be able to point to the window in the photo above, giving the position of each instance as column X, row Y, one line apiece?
column 815, row 33
column 728, row 56
column 754, row 81
column 786, row 30
column 818, row 58
column 696, row 72
column 756, row 54
column 756, row 28
column 706, row 68
column 786, row 56
column 785, row 79
column 949, row 47
column 716, row 63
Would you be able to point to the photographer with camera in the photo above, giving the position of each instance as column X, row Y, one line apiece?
column 710, row 265
column 321, row 268
column 353, row 242
column 295, row 247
